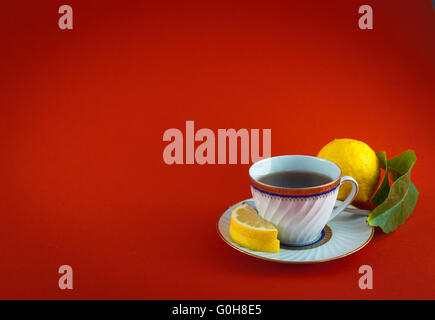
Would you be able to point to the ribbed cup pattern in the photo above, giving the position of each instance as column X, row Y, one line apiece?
column 298, row 220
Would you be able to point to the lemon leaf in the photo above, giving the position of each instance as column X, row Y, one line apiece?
column 384, row 188
column 402, row 197
column 401, row 164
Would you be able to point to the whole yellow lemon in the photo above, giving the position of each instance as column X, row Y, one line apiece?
column 356, row 159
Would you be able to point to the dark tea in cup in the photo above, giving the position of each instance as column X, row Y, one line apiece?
column 295, row 179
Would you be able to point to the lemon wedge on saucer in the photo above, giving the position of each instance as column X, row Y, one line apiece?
column 251, row 231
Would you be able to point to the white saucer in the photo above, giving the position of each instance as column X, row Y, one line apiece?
column 346, row 234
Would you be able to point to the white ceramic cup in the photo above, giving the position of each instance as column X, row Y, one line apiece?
column 299, row 214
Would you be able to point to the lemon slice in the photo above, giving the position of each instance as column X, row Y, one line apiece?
column 251, row 231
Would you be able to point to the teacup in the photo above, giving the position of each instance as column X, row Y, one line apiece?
column 299, row 214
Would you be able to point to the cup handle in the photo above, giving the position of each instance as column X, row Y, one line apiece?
column 349, row 198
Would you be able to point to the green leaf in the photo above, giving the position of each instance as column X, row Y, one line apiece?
column 383, row 190
column 402, row 197
column 401, row 164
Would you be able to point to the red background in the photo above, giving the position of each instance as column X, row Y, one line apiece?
column 82, row 115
